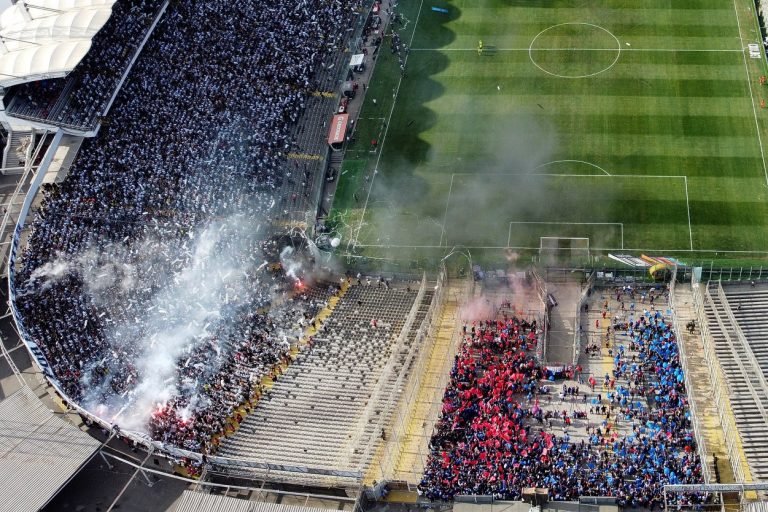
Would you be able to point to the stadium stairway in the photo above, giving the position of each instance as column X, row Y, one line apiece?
column 748, row 397
column 750, row 307
column 702, row 392
column 268, row 381
column 559, row 342
column 410, row 451
column 11, row 156
column 372, row 468
column 311, row 414
column 604, row 364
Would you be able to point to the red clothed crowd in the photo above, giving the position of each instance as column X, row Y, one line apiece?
column 494, row 438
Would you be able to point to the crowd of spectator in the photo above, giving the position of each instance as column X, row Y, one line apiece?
column 163, row 214
column 84, row 93
column 494, row 436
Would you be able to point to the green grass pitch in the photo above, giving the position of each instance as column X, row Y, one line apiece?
column 637, row 125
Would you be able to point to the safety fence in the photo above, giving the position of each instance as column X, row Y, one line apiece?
column 742, row 488
column 712, row 273
column 408, row 387
column 707, row 271
column 695, row 418
column 256, row 494
column 720, row 389
column 541, row 291
column 380, row 397
column 27, row 177
column 578, row 330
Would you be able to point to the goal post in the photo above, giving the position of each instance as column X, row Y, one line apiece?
column 556, row 247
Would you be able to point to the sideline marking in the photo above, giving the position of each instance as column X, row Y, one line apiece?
column 751, row 94
column 386, row 131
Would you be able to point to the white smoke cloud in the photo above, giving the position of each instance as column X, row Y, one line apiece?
column 182, row 315
column 161, row 299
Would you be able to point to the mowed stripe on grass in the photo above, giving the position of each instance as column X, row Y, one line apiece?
column 676, row 113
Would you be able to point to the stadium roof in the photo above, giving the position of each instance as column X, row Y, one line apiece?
column 39, row 452
column 47, row 38
column 192, row 501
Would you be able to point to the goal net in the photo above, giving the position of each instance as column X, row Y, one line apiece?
column 563, row 248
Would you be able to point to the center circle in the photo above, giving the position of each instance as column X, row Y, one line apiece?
column 574, row 50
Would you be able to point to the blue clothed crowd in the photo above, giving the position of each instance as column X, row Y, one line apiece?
column 491, row 443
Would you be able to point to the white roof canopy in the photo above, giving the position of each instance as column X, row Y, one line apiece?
column 47, row 38
column 39, row 451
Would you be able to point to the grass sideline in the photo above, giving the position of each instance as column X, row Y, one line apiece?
column 663, row 92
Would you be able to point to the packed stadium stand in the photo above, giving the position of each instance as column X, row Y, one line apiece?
column 733, row 317
column 621, row 413
column 217, row 114
column 332, row 406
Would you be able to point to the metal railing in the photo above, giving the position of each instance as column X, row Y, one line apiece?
column 260, row 493
column 28, row 176
column 755, row 506
column 695, row 421
column 378, row 396
column 756, row 370
column 408, row 399
column 727, row 422
column 577, row 330
column 729, row 328
column 406, row 390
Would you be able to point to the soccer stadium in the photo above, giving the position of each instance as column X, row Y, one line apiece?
column 384, row 255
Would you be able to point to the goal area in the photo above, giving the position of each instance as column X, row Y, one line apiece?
column 556, row 247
